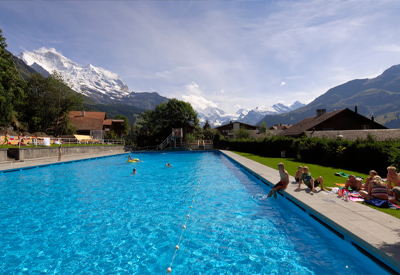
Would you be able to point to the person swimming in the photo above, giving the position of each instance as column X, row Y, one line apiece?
column 134, row 171
column 168, row 165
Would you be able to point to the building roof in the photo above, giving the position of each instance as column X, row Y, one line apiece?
column 378, row 134
column 307, row 124
column 107, row 122
column 235, row 122
column 91, row 120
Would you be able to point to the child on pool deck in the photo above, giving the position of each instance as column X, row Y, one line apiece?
column 283, row 183
column 309, row 181
column 298, row 173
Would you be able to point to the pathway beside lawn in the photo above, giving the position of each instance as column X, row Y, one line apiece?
column 368, row 228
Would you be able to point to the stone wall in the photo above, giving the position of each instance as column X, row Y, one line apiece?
column 3, row 154
column 45, row 152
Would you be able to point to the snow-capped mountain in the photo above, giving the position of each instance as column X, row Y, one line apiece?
column 99, row 84
column 217, row 117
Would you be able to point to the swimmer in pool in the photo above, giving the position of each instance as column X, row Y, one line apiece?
column 168, row 165
column 130, row 158
column 134, row 171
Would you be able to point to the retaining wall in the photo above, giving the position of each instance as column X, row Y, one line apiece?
column 45, row 152
column 3, row 154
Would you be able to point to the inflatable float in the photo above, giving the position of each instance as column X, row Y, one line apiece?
column 133, row 160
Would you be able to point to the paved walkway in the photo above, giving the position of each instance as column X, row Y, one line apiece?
column 43, row 161
column 370, row 229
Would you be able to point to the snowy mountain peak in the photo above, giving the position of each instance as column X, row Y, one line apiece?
column 100, row 84
column 217, row 117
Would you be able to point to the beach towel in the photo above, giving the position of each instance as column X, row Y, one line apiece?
column 381, row 203
column 344, row 175
column 356, row 199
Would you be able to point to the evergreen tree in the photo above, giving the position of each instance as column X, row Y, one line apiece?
column 11, row 87
column 125, row 125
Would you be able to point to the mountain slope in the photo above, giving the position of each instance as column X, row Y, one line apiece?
column 379, row 96
column 99, row 84
column 111, row 110
column 217, row 117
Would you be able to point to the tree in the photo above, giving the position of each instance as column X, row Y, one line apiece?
column 206, row 125
column 263, row 127
column 125, row 126
column 12, row 87
column 48, row 103
column 173, row 114
column 242, row 134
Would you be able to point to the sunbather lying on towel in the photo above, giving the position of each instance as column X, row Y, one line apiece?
column 354, row 183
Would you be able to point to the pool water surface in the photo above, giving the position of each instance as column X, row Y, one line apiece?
column 96, row 217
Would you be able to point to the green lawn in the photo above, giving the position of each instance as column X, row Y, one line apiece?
column 328, row 173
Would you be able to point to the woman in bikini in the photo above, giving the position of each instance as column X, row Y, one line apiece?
column 376, row 189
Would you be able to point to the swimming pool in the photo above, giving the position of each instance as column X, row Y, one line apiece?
column 96, row 217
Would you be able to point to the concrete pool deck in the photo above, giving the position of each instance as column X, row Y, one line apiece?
column 51, row 160
column 373, row 231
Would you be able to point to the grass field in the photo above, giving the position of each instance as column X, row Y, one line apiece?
column 328, row 173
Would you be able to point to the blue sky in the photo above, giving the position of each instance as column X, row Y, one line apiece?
column 228, row 54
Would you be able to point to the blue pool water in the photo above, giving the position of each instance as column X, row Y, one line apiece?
column 95, row 217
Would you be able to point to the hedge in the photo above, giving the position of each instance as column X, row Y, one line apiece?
column 360, row 155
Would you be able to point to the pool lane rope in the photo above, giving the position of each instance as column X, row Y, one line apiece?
column 169, row 269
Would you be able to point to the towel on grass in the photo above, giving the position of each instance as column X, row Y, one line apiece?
column 344, row 175
column 382, row 203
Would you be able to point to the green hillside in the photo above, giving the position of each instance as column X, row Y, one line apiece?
column 112, row 110
column 379, row 96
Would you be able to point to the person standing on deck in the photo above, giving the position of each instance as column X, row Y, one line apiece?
column 283, row 183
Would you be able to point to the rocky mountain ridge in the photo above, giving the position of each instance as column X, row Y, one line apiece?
column 217, row 117
column 99, row 84
column 379, row 96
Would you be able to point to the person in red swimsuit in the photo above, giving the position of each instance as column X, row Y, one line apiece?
column 283, row 183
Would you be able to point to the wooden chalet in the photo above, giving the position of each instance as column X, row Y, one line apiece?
column 344, row 119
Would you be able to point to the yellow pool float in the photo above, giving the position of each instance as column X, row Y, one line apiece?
column 132, row 160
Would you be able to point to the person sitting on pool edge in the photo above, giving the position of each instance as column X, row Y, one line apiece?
column 309, row 181
column 354, row 183
column 298, row 173
column 283, row 183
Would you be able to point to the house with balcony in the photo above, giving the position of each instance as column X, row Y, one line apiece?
column 227, row 130
column 86, row 123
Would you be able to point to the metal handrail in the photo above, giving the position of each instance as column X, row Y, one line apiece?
column 165, row 142
column 39, row 141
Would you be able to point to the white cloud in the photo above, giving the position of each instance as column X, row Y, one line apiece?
column 199, row 102
column 237, row 106
column 283, row 83
column 388, row 48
